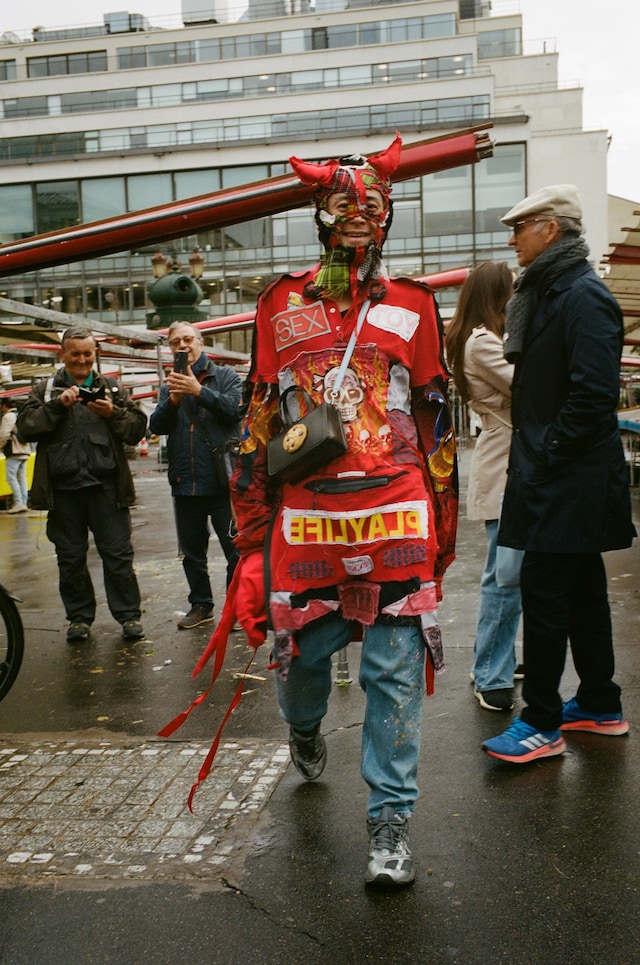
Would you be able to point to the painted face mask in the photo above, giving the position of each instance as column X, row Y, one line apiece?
column 345, row 268
column 352, row 176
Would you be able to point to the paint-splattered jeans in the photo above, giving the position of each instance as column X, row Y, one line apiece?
column 392, row 677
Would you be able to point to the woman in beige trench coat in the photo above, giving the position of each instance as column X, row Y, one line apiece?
column 483, row 379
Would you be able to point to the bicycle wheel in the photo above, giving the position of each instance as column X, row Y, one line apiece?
column 11, row 642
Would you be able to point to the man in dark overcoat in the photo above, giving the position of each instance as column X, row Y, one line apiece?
column 567, row 495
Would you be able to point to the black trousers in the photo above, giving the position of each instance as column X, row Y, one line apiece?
column 564, row 598
column 192, row 523
column 94, row 509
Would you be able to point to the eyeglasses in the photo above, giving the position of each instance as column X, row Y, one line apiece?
column 517, row 225
column 187, row 339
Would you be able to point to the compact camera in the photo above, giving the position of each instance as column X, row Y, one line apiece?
column 91, row 395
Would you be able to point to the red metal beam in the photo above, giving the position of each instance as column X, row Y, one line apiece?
column 219, row 209
column 227, row 323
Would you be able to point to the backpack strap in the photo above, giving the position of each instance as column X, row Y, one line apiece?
column 48, row 389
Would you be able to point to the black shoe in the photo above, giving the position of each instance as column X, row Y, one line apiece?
column 390, row 861
column 308, row 752
column 518, row 673
column 132, row 630
column 78, row 632
column 499, row 699
column 200, row 613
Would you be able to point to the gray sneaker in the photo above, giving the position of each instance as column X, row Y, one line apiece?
column 390, row 861
column 308, row 752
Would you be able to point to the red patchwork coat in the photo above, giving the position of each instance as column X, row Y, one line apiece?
column 373, row 531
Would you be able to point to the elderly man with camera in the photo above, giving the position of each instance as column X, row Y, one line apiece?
column 81, row 421
column 198, row 410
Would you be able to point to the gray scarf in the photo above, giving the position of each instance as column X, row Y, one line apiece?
column 532, row 283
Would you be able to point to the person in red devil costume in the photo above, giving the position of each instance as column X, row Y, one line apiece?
column 359, row 547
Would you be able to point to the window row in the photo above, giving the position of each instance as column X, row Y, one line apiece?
column 287, row 41
column 261, row 85
column 491, row 44
column 416, row 115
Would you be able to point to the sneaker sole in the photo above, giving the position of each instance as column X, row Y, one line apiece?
column 548, row 750
column 385, row 880
column 478, row 695
column 615, row 728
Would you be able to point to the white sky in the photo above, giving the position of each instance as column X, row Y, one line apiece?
column 595, row 41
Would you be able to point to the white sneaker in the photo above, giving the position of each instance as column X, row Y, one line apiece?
column 18, row 508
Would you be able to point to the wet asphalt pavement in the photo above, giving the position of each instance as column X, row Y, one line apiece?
column 101, row 862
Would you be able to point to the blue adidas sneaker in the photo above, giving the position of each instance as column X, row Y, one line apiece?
column 575, row 718
column 522, row 743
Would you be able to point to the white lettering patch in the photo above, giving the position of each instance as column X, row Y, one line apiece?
column 357, row 565
column 392, row 318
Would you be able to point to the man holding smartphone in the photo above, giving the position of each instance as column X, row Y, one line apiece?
column 198, row 410
column 81, row 421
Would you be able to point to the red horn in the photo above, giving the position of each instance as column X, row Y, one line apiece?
column 310, row 173
column 385, row 163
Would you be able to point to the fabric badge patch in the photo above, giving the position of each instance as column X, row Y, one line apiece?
column 392, row 318
column 357, row 565
column 298, row 324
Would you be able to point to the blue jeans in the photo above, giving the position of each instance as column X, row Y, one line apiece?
column 192, row 523
column 16, row 470
column 392, row 677
column 494, row 658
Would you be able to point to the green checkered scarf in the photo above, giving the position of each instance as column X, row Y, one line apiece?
column 342, row 267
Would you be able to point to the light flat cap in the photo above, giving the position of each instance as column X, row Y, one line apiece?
column 556, row 200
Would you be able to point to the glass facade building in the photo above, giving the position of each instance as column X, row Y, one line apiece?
column 132, row 120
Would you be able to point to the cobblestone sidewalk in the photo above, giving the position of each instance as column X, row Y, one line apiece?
column 109, row 809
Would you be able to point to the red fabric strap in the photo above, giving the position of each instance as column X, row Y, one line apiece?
column 213, row 750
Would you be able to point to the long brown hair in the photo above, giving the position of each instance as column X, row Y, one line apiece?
column 482, row 301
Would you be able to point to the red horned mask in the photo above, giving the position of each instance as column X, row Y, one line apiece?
column 353, row 176
column 355, row 172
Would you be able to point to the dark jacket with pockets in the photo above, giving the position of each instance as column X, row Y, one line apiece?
column 74, row 443
column 568, row 485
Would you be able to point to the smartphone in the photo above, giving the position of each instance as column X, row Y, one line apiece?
column 181, row 362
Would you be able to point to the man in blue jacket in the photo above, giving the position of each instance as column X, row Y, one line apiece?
column 199, row 412
column 567, row 494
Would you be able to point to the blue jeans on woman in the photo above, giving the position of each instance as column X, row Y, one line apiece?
column 16, row 471
column 494, row 656
column 392, row 677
